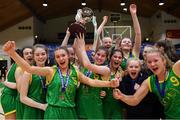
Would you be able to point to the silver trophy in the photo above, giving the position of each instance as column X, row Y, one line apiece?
column 82, row 17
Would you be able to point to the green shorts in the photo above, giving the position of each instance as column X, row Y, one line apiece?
column 55, row 112
column 8, row 103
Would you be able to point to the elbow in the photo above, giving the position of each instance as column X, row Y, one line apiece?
column 135, row 102
column 22, row 99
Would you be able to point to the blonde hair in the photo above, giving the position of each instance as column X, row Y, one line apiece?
column 133, row 59
column 169, row 63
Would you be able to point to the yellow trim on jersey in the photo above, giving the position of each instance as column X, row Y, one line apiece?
column 30, row 79
column 54, row 70
column 105, row 78
column 77, row 71
column 149, row 84
column 19, row 68
column 8, row 113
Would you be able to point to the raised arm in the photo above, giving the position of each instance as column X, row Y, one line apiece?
column 135, row 99
column 97, row 83
column 137, row 41
column 81, row 53
column 98, row 32
column 9, row 48
column 24, row 93
column 66, row 38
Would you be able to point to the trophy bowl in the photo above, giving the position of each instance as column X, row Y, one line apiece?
column 76, row 28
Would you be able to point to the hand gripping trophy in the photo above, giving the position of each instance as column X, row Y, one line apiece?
column 82, row 17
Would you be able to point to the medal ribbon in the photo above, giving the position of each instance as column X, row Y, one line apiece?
column 43, row 83
column 88, row 73
column 161, row 92
column 63, row 85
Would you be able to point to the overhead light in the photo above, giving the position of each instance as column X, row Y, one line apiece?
column 147, row 39
column 45, row 3
column 122, row 3
column 125, row 9
column 36, row 36
column 83, row 3
column 161, row 2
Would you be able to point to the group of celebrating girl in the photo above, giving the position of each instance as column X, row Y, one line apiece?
column 112, row 87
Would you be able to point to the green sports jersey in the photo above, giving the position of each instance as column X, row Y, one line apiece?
column 112, row 108
column 11, row 78
column 36, row 91
column 124, row 61
column 171, row 100
column 55, row 96
column 89, row 103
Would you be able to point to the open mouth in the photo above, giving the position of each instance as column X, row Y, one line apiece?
column 30, row 59
column 154, row 69
column 133, row 73
column 116, row 63
column 62, row 63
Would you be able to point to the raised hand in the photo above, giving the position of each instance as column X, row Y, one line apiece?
column 114, row 83
column 67, row 31
column 9, row 46
column 105, row 18
column 133, row 8
column 80, row 40
column 2, row 80
column 117, row 94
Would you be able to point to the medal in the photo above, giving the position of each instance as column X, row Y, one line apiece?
column 62, row 97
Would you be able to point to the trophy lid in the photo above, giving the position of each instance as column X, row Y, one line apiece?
column 87, row 12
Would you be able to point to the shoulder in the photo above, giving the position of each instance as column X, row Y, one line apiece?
column 176, row 68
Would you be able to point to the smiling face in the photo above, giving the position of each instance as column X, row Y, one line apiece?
column 116, row 60
column 145, row 51
column 156, row 63
column 107, row 42
column 28, row 55
column 133, row 68
column 71, row 54
column 62, row 58
column 126, row 44
column 100, row 57
column 40, row 56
